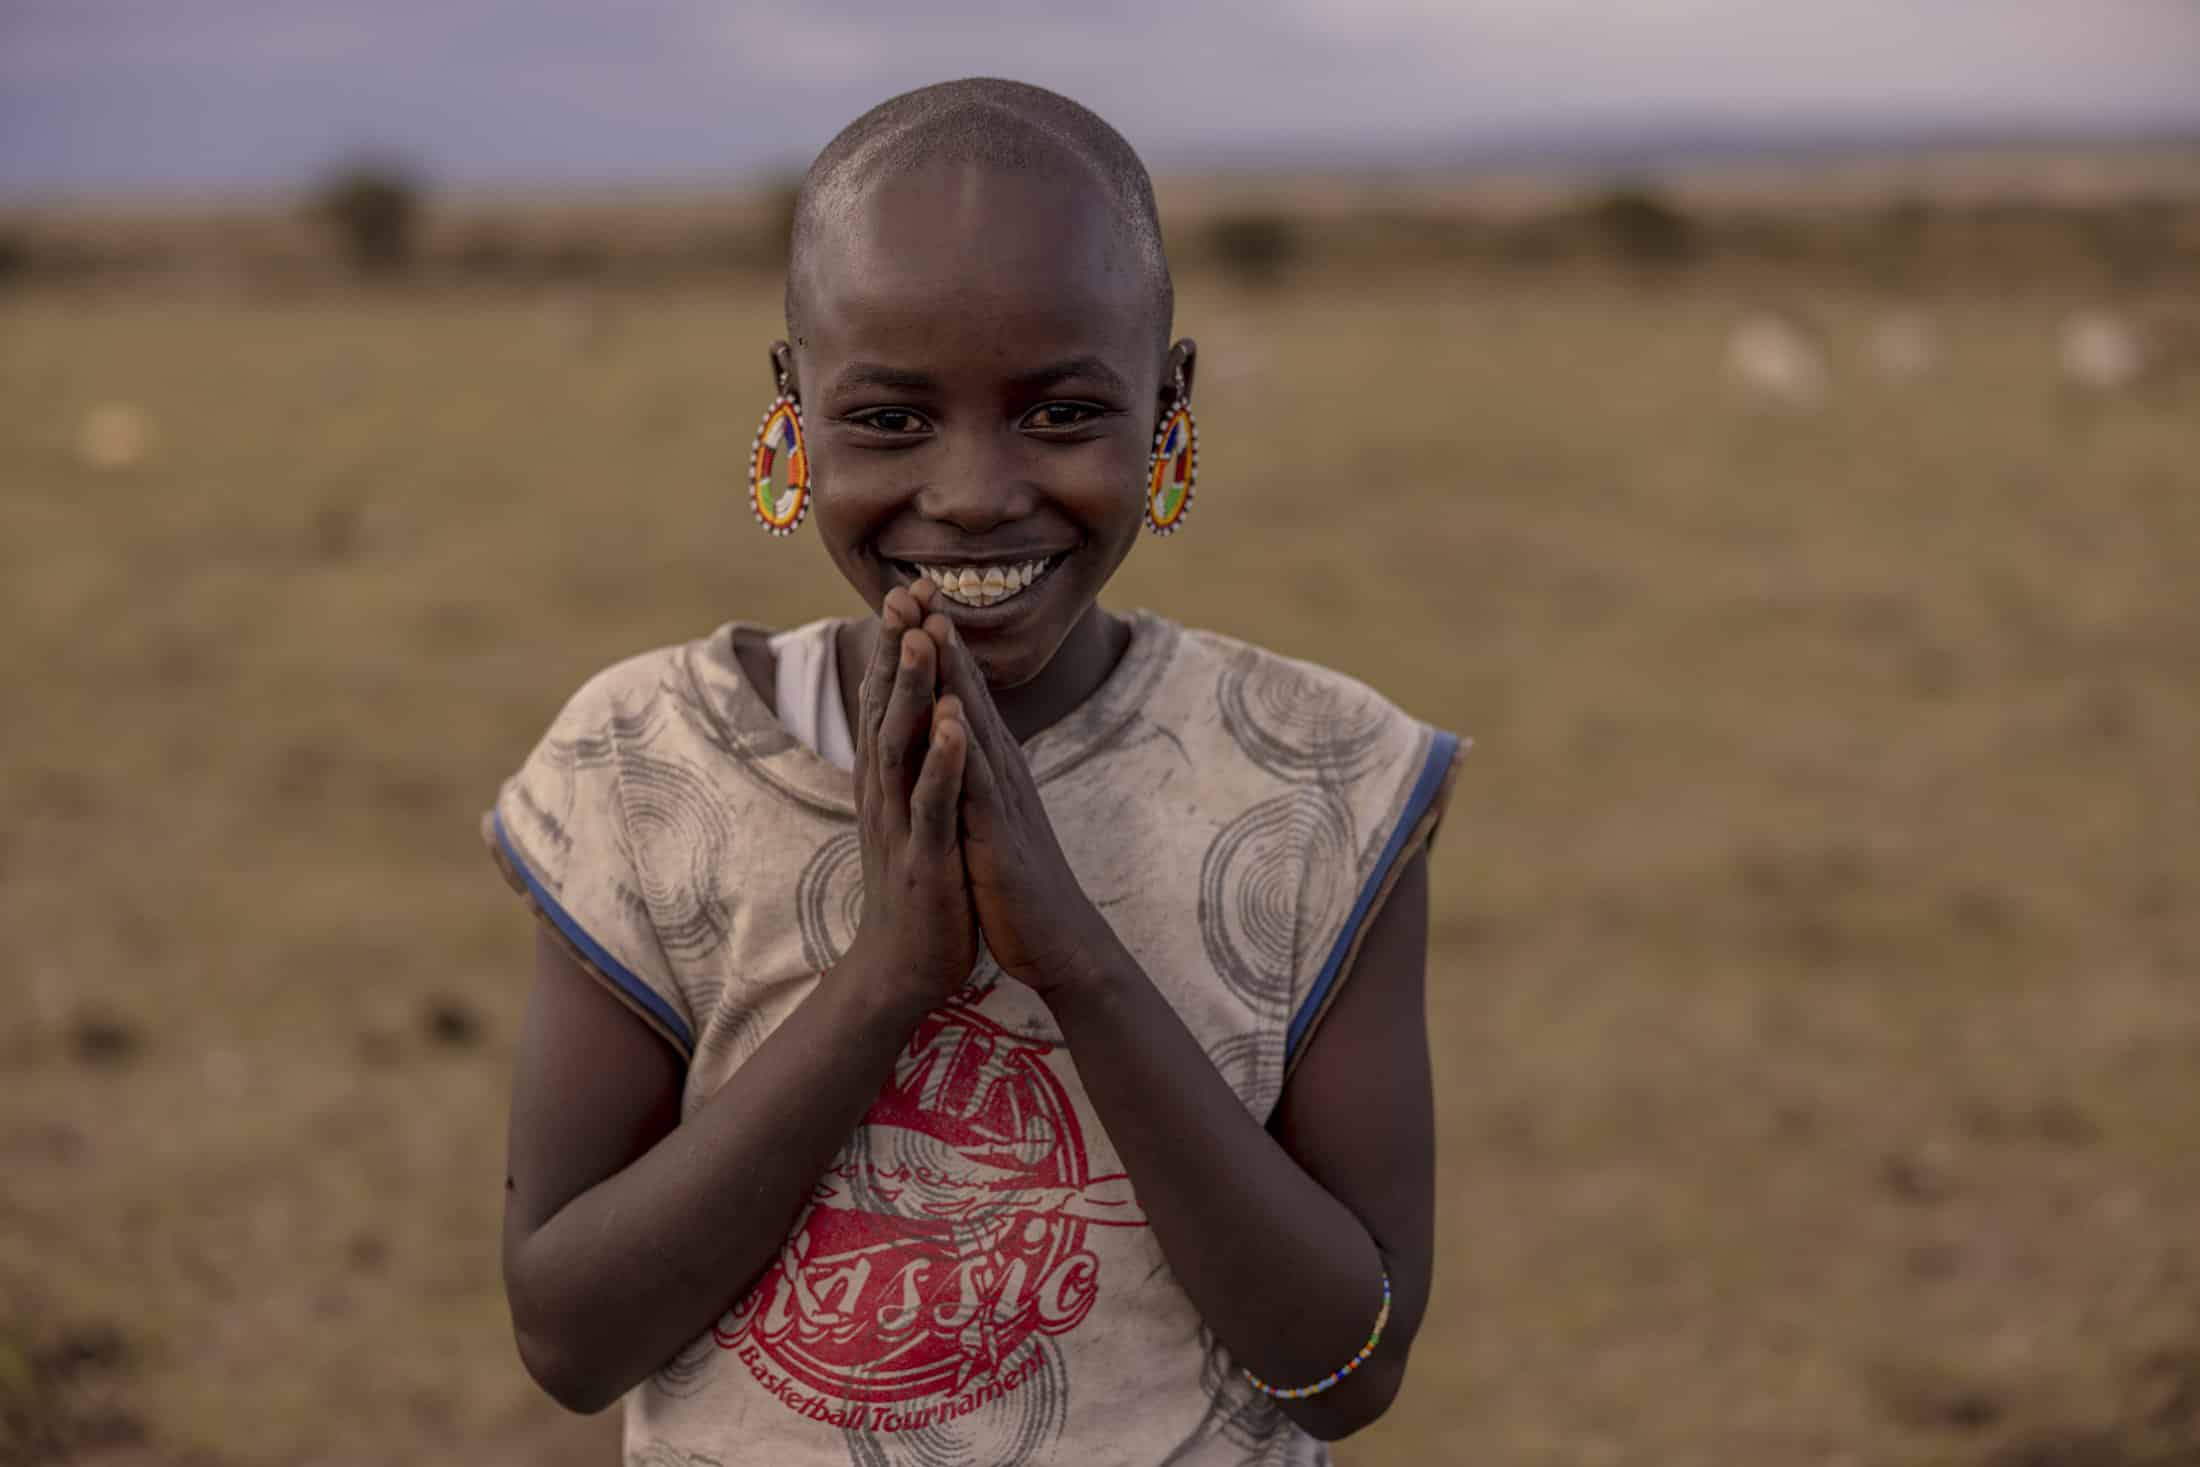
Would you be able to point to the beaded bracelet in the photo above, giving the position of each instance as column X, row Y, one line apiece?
column 1300, row 1393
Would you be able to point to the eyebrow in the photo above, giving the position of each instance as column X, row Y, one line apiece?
column 1091, row 368
column 909, row 379
column 877, row 374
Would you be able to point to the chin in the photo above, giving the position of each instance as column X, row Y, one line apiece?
column 1011, row 666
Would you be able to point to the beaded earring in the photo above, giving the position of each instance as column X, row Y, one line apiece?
column 779, row 466
column 1174, row 467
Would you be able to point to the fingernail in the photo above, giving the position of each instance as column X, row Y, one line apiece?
column 908, row 655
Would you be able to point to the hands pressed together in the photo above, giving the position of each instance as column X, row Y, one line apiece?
column 955, row 840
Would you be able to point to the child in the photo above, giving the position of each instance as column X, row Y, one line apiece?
column 990, row 1031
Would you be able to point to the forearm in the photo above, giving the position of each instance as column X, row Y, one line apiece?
column 628, row 1272
column 1286, row 1276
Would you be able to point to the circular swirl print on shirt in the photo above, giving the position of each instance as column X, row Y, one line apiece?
column 1299, row 727
column 1014, row 1429
column 941, row 1247
column 1242, row 1415
column 1252, row 1063
column 828, row 900
column 672, row 809
column 1276, row 869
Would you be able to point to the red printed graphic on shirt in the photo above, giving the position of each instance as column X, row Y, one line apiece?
column 949, row 1230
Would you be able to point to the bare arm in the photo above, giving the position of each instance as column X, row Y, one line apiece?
column 628, row 1231
column 625, row 1233
column 1281, row 1239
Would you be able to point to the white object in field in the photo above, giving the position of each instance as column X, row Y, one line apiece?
column 1906, row 345
column 114, row 435
column 2102, row 350
column 1776, row 356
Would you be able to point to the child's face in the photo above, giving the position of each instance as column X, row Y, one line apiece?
column 981, row 373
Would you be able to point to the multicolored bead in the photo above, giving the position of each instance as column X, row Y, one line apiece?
column 1300, row 1393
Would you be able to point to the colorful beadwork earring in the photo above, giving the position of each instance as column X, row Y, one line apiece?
column 1175, row 466
column 779, row 466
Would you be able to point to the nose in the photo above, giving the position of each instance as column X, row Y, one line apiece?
column 980, row 484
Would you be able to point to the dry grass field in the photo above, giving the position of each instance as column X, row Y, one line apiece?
column 1816, row 970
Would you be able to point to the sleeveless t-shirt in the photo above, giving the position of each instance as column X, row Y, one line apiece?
column 972, row 1279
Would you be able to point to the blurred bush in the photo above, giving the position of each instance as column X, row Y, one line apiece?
column 2136, row 240
column 1253, row 246
column 1899, row 237
column 1641, row 227
column 372, row 208
column 487, row 251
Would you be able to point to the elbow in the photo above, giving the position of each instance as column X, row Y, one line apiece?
column 570, row 1381
column 569, row 1363
column 1375, row 1387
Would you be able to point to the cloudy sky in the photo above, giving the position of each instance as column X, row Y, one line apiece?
column 98, row 95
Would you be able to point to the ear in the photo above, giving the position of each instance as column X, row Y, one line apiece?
column 1183, row 361
column 782, row 368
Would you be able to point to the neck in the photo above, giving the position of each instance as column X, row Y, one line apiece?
column 1078, row 668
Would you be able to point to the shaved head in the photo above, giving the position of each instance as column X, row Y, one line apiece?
column 986, row 123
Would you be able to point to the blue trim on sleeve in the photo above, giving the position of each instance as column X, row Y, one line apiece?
column 593, row 950
column 1441, row 750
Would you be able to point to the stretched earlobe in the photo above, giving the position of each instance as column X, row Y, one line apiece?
column 1182, row 367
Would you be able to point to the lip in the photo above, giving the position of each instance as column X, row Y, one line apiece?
column 1000, row 613
column 1016, row 557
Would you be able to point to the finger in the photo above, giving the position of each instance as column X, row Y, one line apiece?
column 934, row 804
column 942, row 633
column 908, row 714
column 962, row 676
column 903, row 606
column 878, row 674
column 925, row 592
column 981, row 787
column 903, row 609
column 878, row 677
column 940, row 629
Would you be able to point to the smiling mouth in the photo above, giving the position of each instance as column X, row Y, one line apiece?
column 983, row 585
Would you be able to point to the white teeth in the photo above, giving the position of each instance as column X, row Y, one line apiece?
column 982, row 586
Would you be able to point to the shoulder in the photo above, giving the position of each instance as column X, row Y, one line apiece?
column 648, row 715
column 613, row 784
column 1299, row 720
column 1253, row 663
column 712, row 688
column 628, row 689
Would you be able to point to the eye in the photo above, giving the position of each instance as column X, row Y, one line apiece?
column 1061, row 415
column 889, row 420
